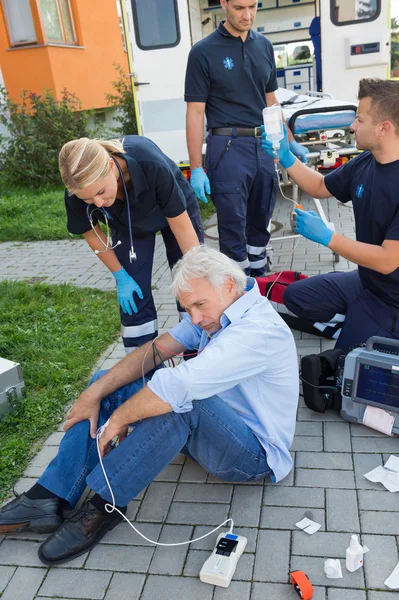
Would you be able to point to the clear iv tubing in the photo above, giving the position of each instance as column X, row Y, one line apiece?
column 276, row 161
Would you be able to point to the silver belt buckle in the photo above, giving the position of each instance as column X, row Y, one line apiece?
column 258, row 132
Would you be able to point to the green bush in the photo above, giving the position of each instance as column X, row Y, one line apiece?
column 38, row 127
column 123, row 100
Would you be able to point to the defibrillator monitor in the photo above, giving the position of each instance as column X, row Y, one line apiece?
column 371, row 378
column 378, row 385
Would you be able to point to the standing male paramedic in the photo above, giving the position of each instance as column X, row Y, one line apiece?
column 231, row 77
column 367, row 299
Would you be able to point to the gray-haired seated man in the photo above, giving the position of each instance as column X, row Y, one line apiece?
column 231, row 408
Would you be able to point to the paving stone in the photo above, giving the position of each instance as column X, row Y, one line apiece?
column 165, row 588
column 337, row 437
column 342, row 510
column 382, row 595
column 381, row 561
column 123, row 534
column 362, row 431
column 71, row 583
column 19, row 552
column 197, row 513
column 305, row 414
column 198, row 492
column 308, row 429
column 278, row 591
column 192, row 471
column 384, row 444
column 277, row 517
column 196, row 559
column 125, row 587
column 363, row 464
column 295, row 496
column 314, row 569
column 324, row 460
column 377, row 500
column 307, row 443
column 40, row 462
column 24, row 584
column 346, row 594
column 237, row 590
column 106, row 557
column 55, row 438
column 167, row 560
column 324, row 543
column 157, row 501
column 270, row 565
column 246, row 505
column 5, row 575
column 170, row 473
column 380, row 522
column 325, row 478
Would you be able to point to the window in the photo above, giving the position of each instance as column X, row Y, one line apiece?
column 156, row 23
column 57, row 21
column 344, row 12
column 19, row 21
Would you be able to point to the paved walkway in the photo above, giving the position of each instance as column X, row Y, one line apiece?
column 330, row 456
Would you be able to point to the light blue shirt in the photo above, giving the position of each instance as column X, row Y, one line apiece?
column 250, row 363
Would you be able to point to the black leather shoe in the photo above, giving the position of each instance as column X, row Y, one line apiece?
column 77, row 535
column 24, row 514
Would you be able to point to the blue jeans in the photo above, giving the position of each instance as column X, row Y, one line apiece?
column 212, row 433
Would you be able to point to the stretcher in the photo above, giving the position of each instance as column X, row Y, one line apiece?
column 323, row 125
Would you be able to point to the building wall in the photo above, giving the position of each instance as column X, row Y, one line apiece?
column 86, row 70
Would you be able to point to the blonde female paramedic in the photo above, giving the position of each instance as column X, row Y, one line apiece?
column 132, row 187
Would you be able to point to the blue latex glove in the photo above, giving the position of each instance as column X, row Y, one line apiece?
column 200, row 184
column 311, row 226
column 284, row 153
column 126, row 286
column 300, row 151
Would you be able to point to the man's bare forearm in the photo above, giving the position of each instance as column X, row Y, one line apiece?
column 310, row 181
column 142, row 405
column 195, row 137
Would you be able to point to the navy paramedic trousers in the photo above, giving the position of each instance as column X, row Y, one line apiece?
column 243, row 188
column 142, row 327
column 325, row 298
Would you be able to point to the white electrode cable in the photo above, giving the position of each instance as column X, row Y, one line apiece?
column 110, row 508
column 285, row 264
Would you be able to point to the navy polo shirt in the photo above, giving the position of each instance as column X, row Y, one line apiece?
column 373, row 189
column 157, row 190
column 232, row 77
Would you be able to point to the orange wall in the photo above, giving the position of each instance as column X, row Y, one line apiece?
column 87, row 71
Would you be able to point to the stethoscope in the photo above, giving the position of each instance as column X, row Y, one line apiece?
column 108, row 244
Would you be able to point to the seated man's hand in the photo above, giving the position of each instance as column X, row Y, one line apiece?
column 112, row 430
column 87, row 406
column 300, row 151
column 312, row 227
column 284, row 153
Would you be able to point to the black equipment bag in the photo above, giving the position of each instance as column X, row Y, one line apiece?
column 321, row 376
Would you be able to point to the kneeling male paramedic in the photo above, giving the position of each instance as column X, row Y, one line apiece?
column 367, row 299
column 232, row 408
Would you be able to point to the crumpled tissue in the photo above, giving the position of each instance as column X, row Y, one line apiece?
column 388, row 475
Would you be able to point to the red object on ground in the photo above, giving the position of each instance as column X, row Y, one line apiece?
column 302, row 585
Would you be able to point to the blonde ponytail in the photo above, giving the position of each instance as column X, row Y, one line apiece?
column 82, row 162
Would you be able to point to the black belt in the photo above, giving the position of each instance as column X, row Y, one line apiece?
column 239, row 131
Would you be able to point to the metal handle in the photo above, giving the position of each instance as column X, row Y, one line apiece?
column 377, row 339
column 137, row 83
column 324, row 109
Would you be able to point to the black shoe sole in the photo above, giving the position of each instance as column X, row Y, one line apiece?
column 60, row 561
column 43, row 525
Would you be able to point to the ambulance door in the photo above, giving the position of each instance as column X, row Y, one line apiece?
column 158, row 33
column 355, row 43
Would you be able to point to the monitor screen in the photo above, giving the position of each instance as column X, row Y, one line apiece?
column 379, row 385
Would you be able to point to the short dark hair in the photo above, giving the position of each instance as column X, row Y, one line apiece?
column 384, row 96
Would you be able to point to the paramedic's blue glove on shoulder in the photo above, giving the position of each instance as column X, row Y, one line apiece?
column 200, row 184
column 300, row 151
column 311, row 226
column 284, row 153
column 126, row 286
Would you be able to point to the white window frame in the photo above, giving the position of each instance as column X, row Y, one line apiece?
column 64, row 41
column 26, row 42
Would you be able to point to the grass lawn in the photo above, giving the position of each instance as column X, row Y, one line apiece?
column 34, row 215
column 56, row 333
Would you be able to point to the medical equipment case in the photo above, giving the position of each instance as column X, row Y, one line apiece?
column 12, row 387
